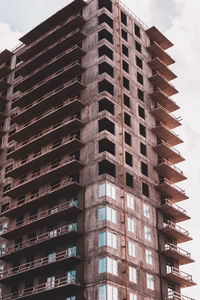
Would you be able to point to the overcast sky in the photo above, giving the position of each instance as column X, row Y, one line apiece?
column 179, row 20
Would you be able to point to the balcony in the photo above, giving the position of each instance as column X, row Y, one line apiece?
column 64, row 233
column 160, row 97
column 173, row 210
column 155, row 35
column 51, row 99
column 50, row 83
column 4, row 70
column 157, row 51
column 52, row 36
column 172, row 191
column 172, row 173
column 163, row 115
column 171, row 229
column 4, row 85
column 164, row 133
column 176, row 296
column 172, row 155
column 58, row 169
column 20, row 168
column 158, row 66
column 5, row 56
column 68, row 42
column 46, row 136
column 40, row 122
column 183, row 257
column 179, row 277
column 159, row 81
column 30, row 201
column 68, row 209
column 61, row 285
column 68, row 256
column 3, row 99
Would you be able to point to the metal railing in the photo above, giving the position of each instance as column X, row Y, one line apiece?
column 177, row 296
column 176, row 227
column 175, row 206
column 165, row 180
column 162, row 92
column 165, row 161
column 40, row 288
column 166, row 144
column 39, row 239
column 180, row 273
column 177, row 249
column 163, row 77
column 157, row 105
column 158, row 123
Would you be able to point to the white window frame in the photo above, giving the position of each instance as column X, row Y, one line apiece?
column 147, row 211
column 130, row 201
column 147, row 233
column 149, row 257
column 132, row 274
column 131, row 224
column 107, row 292
column 131, row 249
column 110, row 239
column 107, row 189
column 133, row 296
column 150, row 282
column 107, row 213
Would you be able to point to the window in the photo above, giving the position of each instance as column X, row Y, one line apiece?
column 107, row 292
column 107, row 213
column 123, row 18
column 143, row 149
column 141, row 112
column 140, row 94
column 108, row 265
column 124, row 35
column 104, row 50
column 149, row 257
column 107, row 4
column 51, row 282
column 132, row 275
column 105, row 124
column 142, row 130
column 105, row 104
column 144, row 168
column 105, row 34
column 147, row 233
column 105, row 18
column 137, row 30
column 126, row 83
column 52, row 256
column 130, row 201
column 126, row 100
column 131, row 249
column 2, row 248
column 147, row 211
column 3, row 228
column 150, row 282
column 127, row 138
column 129, row 180
column 106, row 68
column 138, row 47
column 139, row 62
column 107, row 189
column 140, row 78
column 71, row 276
column 125, row 66
column 133, row 296
column 131, row 225
column 145, row 189
column 127, row 119
column 128, row 159
column 71, row 298
column 108, row 238
column 106, row 145
column 124, row 50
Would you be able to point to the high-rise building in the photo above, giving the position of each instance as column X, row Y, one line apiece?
column 89, row 197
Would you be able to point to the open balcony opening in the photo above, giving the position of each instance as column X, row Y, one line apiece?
column 105, row 34
column 106, row 167
column 106, row 145
column 105, row 104
column 105, row 124
column 105, row 3
column 105, row 18
column 106, row 68
column 104, row 50
column 105, row 85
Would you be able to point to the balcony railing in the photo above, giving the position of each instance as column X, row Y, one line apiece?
column 165, row 180
column 160, row 97
column 177, row 232
column 157, row 51
column 163, row 115
column 175, row 168
column 176, row 227
column 39, row 263
column 175, row 206
column 38, row 239
column 167, row 145
column 69, row 281
column 180, row 277
column 177, row 296
column 41, row 216
column 177, row 249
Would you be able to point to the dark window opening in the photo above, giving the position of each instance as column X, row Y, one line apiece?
column 125, row 50
column 105, row 104
column 106, row 68
column 7, row 187
column 105, row 18
column 139, row 62
column 104, row 50
column 140, row 94
column 105, row 3
column 106, row 145
column 104, row 34
column 140, row 78
column 127, row 119
column 15, row 89
column 75, row 177
column 4, row 207
column 141, row 112
column 128, row 159
column 124, row 35
column 123, row 18
column 137, row 30
column 129, row 180
column 19, row 220
column 144, row 168
column 127, row 138
column 126, row 100
column 142, row 130
column 143, row 149
column 138, row 47
column 126, row 83
column 16, row 75
column 105, row 124
column 107, row 167
column 105, row 85
column 125, row 66
column 145, row 189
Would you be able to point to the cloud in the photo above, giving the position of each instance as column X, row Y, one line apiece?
column 8, row 37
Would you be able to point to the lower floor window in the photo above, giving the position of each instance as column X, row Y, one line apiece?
column 150, row 282
column 71, row 298
column 107, row 292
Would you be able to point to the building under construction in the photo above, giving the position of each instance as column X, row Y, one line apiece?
column 88, row 177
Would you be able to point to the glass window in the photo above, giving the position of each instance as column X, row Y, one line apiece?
column 3, row 228
column 2, row 249
column 71, row 276
column 149, row 257
column 51, row 282
column 147, row 211
column 107, row 292
column 107, row 213
column 108, row 265
column 71, row 298
column 147, row 233
column 133, row 296
column 108, row 239
column 107, row 189
column 131, row 225
column 51, row 256
column 150, row 282
column 131, row 249
column 132, row 275
column 130, row 201
column 71, row 251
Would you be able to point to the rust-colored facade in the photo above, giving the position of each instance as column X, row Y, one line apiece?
column 89, row 196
